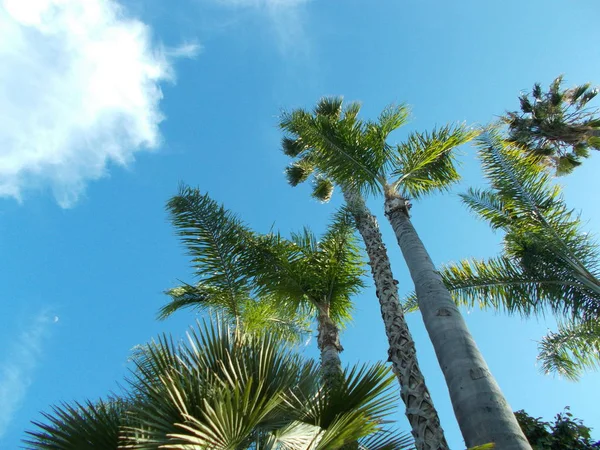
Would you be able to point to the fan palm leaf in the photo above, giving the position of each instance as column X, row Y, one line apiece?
column 224, row 389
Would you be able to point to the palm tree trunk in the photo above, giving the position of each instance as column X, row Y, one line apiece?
column 329, row 345
column 481, row 410
column 421, row 413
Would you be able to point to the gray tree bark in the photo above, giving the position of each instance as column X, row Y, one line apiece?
column 328, row 341
column 420, row 411
column 482, row 412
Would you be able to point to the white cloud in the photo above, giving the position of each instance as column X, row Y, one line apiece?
column 17, row 369
column 79, row 89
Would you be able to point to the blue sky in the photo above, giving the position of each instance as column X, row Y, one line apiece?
column 105, row 109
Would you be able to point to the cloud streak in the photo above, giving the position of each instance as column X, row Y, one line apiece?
column 287, row 18
column 17, row 370
column 79, row 90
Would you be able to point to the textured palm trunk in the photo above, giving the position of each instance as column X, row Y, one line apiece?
column 329, row 345
column 420, row 411
column 481, row 410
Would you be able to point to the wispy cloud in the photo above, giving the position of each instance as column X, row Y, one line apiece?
column 287, row 18
column 79, row 89
column 16, row 371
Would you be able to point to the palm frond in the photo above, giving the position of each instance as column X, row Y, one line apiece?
column 304, row 271
column 570, row 351
column 214, row 238
column 488, row 205
column 426, row 161
column 342, row 148
column 197, row 297
column 86, row 425
column 543, row 235
column 322, row 189
column 298, row 172
column 502, row 284
column 225, row 389
column 557, row 125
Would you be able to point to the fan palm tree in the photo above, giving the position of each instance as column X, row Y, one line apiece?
column 547, row 263
column 217, row 241
column 557, row 125
column 317, row 277
column 224, row 389
column 355, row 155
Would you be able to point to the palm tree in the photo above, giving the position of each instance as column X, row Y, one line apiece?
column 317, row 277
column 547, row 263
column 420, row 411
column 217, row 241
column 246, row 276
column 355, row 155
column 224, row 389
column 556, row 124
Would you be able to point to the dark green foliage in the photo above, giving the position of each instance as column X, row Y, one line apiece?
column 80, row 426
column 224, row 389
column 564, row 433
column 557, row 125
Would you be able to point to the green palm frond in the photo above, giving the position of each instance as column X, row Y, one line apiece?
column 341, row 147
column 571, row 350
column 542, row 235
column 502, row 284
column 557, row 125
column 217, row 390
column 298, row 172
column 292, row 147
column 488, row 205
column 225, row 389
column 196, row 297
column 270, row 316
column 214, row 238
column 389, row 120
column 222, row 253
column 330, row 107
column 322, row 189
column 304, row 272
column 365, row 393
column 426, row 161
column 78, row 426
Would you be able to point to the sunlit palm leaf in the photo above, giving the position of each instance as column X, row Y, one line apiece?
column 426, row 161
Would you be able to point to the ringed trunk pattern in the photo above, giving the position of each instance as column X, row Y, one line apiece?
column 328, row 341
column 481, row 410
column 420, row 411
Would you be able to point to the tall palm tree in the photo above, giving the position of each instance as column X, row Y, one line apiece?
column 318, row 277
column 355, row 155
column 217, row 242
column 557, row 125
column 547, row 262
column 224, row 389
column 420, row 410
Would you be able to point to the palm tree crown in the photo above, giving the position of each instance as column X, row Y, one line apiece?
column 557, row 124
column 219, row 244
column 338, row 148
